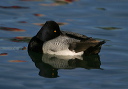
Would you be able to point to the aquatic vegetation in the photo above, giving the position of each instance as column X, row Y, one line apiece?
column 3, row 54
column 13, row 7
column 11, row 29
column 59, row 2
column 109, row 28
column 101, row 9
column 22, row 22
column 21, row 39
column 17, row 61
column 39, row 15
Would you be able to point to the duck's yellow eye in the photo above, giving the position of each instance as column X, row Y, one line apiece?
column 54, row 30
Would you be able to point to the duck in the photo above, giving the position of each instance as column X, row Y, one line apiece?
column 51, row 40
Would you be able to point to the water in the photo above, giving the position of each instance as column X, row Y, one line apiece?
column 100, row 19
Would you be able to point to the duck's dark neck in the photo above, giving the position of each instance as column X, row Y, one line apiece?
column 35, row 45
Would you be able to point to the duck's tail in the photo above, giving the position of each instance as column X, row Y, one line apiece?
column 89, row 47
column 94, row 49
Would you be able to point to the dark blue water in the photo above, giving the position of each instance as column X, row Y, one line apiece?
column 100, row 19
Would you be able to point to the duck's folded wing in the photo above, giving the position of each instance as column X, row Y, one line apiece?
column 75, row 35
column 88, row 47
column 86, row 44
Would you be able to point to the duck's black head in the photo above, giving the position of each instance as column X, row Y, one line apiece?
column 49, row 31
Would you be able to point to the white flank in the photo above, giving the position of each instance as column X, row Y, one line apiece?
column 64, row 52
column 59, row 46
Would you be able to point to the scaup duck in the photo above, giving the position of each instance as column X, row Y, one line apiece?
column 51, row 40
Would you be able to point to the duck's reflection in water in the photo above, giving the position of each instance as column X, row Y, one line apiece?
column 50, row 64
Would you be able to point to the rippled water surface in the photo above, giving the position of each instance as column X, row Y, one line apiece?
column 100, row 19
